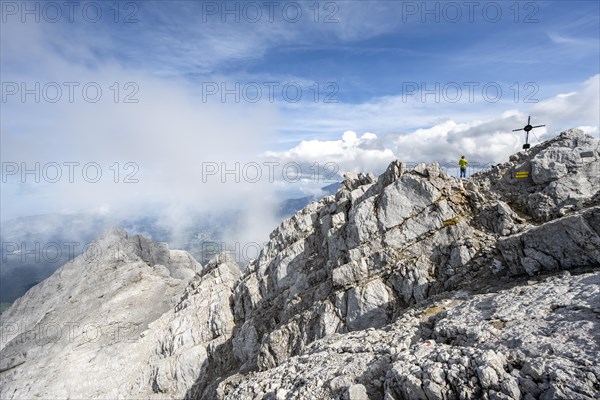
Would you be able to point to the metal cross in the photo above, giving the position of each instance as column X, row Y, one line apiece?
column 527, row 128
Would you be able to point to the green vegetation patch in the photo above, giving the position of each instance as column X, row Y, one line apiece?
column 431, row 311
column 451, row 221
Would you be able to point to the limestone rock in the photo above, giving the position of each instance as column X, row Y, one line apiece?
column 89, row 317
column 412, row 285
column 563, row 244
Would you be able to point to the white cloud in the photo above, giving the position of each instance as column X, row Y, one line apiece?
column 484, row 136
column 351, row 153
column 578, row 108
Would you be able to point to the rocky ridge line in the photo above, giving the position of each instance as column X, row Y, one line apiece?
column 412, row 285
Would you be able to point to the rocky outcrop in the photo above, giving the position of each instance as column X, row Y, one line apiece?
column 185, row 338
column 563, row 175
column 146, row 323
column 87, row 315
column 410, row 285
column 357, row 261
column 566, row 243
column 460, row 345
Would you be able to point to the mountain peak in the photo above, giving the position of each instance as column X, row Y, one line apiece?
column 414, row 284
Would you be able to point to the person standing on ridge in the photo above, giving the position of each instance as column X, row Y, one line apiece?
column 463, row 166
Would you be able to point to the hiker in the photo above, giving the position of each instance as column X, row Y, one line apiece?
column 463, row 166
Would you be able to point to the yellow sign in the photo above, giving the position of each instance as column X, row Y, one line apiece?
column 521, row 174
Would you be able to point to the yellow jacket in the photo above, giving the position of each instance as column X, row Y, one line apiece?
column 463, row 162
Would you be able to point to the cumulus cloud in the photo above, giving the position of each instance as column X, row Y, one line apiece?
column 350, row 153
column 484, row 139
column 579, row 108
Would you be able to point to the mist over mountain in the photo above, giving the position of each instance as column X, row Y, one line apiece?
column 34, row 247
column 410, row 285
column 290, row 206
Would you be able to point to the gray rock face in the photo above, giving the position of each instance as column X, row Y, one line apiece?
column 185, row 336
column 564, row 173
column 482, row 346
column 565, row 243
column 412, row 285
column 89, row 316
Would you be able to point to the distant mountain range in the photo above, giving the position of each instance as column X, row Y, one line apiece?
column 33, row 247
column 290, row 206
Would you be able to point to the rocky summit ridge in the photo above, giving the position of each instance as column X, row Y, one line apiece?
column 410, row 285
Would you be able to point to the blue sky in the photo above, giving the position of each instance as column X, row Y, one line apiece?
column 367, row 58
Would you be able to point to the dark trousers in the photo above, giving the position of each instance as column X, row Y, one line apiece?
column 463, row 172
